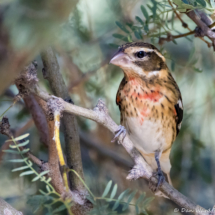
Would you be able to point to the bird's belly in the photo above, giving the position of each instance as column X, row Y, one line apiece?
column 146, row 136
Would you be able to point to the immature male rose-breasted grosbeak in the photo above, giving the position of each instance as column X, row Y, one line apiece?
column 150, row 103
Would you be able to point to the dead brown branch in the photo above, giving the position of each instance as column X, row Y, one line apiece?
column 52, row 165
column 52, row 73
column 70, row 128
column 53, row 161
column 38, row 116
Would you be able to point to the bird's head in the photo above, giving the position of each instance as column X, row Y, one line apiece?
column 139, row 58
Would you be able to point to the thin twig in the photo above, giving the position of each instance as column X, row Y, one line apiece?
column 211, row 25
column 206, row 30
column 33, row 158
column 185, row 25
column 5, row 129
column 17, row 133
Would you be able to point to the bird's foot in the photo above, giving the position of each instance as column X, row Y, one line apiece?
column 161, row 180
column 121, row 130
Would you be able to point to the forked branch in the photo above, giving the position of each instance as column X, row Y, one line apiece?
column 141, row 169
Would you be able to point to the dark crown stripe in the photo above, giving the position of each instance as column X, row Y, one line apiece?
column 138, row 44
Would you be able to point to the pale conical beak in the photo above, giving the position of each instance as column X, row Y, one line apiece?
column 120, row 59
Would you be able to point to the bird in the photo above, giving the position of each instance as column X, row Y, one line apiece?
column 150, row 104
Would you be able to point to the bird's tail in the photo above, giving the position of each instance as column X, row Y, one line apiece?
column 169, row 179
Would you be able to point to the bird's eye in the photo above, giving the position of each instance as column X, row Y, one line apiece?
column 141, row 54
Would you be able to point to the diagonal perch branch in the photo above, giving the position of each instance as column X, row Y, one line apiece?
column 142, row 169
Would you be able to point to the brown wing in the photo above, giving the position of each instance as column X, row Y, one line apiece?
column 179, row 105
column 118, row 97
column 179, row 114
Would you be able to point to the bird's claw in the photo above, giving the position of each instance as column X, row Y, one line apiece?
column 121, row 130
column 161, row 180
column 69, row 100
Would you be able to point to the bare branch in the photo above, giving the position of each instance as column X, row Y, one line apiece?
column 171, row 37
column 53, row 161
column 73, row 153
column 141, row 168
column 34, row 159
column 185, row 25
column 56, row 108
column 7, row 209
column 206, row 31
column 38, row 117
column 51, row 72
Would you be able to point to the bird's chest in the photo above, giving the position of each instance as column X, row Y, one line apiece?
column 139, row 102
column 147, row 136
column 144, row 116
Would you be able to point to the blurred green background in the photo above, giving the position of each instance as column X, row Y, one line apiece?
column 84, row 42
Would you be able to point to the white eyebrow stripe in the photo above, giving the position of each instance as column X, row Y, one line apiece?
column 154, row 50
column 153, row 73
column 160, row 55
column 147, row 49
